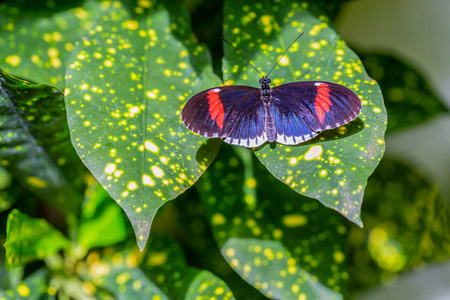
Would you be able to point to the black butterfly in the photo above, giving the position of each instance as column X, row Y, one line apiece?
column 287, row 114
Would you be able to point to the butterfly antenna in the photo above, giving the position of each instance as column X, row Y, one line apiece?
column 284, row 54
column 242, row 56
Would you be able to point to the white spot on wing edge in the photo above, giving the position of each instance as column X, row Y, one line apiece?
column 215, row 90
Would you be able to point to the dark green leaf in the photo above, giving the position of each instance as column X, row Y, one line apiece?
column 406, row 225
column 186, row 219
column 34, row 140
column 277, row 240
column 102, row 222
column 409, row 98
column 30, row 239
column 32, row 287
column 333, row 167
column 6, row 198
column 37, row 37
column 126, row 84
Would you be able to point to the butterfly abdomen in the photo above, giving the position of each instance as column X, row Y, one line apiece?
column 269, row 124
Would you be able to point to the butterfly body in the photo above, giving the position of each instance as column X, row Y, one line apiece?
column 287, row 114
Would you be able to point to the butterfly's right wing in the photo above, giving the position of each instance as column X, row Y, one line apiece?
column 234, row 113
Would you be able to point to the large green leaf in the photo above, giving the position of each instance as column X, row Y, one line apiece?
column 409, row 98
column 333, row 167
column 30, row 239
column 284, row 244
column 34, row 141
column 36, row 37
column 126, row 84
column 406, row 226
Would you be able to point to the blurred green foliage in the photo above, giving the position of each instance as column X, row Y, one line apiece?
column 225, row 238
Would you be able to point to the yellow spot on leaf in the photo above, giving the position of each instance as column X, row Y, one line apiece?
column 157, row 259
column 251, row 183
column 36, row 182
column 131, row 24
column 293, row 161
column 338, row 257
column 110, row 168
column 132, row 185
column 284, row 61
column 218, row 219
column 13, row 60
column 151, row 95
column 313, row 152
column 230, row 252
column 151, row 147
column 23, row 290
column 157, row 171
column 294, row 220
column 134, row 110
column 147, row 180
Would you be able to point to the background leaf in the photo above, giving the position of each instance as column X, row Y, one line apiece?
column 34, row 141
column 409, row 98
column 29, row 239
column 161, row 269
column 278, row 241
column 333, row 167
column 36, row 38
column 125, row 87
column 406, row 226
column 102, row 222
column 32, row 287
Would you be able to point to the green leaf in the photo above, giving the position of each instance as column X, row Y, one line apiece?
column 207, row 286
column 124, row 282
column 32, row 287
column 34, row 140
column 409, row 98
column 126, row 84
column 277, row 240
column 37, row 37
column 7, row 199
column 406, row 226
column 166, row 265
column 102, row 222
column 333, row 167
column 30, row 239
column 274, row 272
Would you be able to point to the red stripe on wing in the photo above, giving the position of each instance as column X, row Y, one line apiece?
column 322, row 102
column 215, row 107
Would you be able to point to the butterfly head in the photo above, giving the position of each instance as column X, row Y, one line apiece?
column 265, row 82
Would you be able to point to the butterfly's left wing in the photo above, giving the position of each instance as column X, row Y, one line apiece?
column 301, row 110
column 233, row 113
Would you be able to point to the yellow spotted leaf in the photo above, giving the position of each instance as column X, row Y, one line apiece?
column 127, row 82
column 37, row 37
column 285, row 245
column 334, row 166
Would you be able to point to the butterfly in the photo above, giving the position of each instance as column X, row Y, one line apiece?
column 288, row 114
